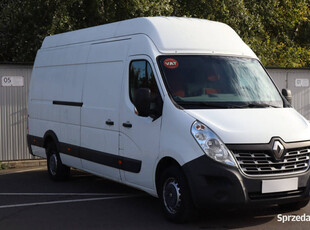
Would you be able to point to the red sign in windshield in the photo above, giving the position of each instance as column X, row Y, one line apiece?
column 171, row 63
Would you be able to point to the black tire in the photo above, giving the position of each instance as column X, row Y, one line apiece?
column 294, row 206
column 56, row 170
column 174, row 194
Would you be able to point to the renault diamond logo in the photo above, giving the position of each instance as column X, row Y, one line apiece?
column 278, row 149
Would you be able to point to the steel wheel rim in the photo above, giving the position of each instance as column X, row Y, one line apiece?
column 172, row 195
column 53, row 164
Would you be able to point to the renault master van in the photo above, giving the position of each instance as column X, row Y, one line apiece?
column 179, row 108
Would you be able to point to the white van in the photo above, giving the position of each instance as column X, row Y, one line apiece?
column 179, row 108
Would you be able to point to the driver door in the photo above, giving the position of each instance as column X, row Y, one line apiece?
column 140, row 135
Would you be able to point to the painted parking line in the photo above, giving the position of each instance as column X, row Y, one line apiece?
column 22, row 171
column 61, row 194
column 65, row 201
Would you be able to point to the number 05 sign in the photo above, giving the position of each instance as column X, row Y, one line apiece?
column 12, row 81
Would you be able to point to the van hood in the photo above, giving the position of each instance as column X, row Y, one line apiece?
column 255, row 125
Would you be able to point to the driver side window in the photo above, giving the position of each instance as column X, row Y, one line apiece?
column 141, row 76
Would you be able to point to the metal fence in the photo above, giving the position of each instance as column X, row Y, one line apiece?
column 14, row 96
column 13, row 111
column 297, row 80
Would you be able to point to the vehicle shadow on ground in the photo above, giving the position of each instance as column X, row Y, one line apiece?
column 234, row 219
column 147, row 210
column 140, row 211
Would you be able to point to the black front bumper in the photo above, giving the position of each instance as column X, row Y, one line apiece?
column 214, row 184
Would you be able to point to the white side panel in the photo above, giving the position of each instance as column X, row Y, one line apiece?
column 56, row 113
column 103, row 141
column 70, row 161
column 66, row 133
column 58, row 76
column 38, row 151
column 57, row 83
column 108, row 51
column 100, row 170
column 63, row 83
column 83, row 35
column 176, row 140
column 69, row 55
column 101, row 95
column 100, row 140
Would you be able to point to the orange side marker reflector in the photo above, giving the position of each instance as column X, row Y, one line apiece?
column 69, row 149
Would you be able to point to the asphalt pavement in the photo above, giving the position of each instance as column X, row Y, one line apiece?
column 30, row 200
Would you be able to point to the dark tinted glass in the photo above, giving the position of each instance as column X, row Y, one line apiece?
column 141, row 76
column 218, row 80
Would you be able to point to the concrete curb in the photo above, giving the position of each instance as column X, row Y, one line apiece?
column 22, row 164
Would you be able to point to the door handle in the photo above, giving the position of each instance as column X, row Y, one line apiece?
column 109, row 122
column 127, row 125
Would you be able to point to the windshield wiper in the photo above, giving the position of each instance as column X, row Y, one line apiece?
column 257, row 105
column 206, row 104
column 225, row 105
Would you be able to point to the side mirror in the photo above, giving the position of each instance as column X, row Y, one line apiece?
column 143, row 101
column 287, row 94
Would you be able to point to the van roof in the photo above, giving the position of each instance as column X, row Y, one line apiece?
column 169, row 34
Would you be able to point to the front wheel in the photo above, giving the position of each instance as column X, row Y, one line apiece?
column 174, row 194
column 56, row 170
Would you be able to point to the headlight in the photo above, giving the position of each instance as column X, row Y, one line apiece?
column 211, row 144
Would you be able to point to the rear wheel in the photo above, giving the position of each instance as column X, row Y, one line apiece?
column 174, row 194
column 56, row 170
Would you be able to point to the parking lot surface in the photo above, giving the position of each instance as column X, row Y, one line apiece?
column 30, row 200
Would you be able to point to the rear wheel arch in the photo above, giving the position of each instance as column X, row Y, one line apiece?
column 49, row 137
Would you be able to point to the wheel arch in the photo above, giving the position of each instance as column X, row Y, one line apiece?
column 161, row 166
column 50, row 136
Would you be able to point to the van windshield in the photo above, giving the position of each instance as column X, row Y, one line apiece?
column 202, row 81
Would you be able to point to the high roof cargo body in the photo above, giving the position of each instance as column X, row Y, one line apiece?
column 169, row 34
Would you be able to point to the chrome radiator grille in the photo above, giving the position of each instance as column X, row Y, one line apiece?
column 261, row 163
